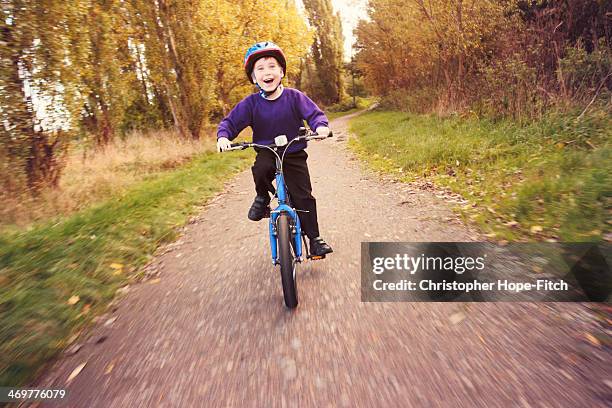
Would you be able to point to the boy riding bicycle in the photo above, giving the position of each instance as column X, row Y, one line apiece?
column 274, row 111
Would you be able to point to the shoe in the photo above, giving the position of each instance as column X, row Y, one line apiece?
column 318, row 247
column 259, row 209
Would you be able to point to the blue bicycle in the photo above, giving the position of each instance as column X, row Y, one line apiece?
column 286, row 237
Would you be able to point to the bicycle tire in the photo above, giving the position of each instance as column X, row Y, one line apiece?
column 288, row 264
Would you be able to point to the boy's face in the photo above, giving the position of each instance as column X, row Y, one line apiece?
column 268, row 73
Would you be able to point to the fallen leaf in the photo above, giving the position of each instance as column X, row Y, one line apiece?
column 456, row 318
column 156, row 280
column 536, row 229
column 116, row 266
column 72, row 338
column 73, row 349
column 75, row 372
column 592, row 339
column 73, row 300
column 537, row 269
column 109, row 368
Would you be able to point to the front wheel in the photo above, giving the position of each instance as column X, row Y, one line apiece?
column 288, row 262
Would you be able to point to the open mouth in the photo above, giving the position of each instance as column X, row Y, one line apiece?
column 268, row 81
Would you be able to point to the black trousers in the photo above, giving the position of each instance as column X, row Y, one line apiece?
column 298, row 184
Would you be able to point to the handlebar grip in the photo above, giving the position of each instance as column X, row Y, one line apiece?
column 237, row 146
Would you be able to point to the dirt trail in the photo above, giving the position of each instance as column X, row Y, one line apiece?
column 213, row 330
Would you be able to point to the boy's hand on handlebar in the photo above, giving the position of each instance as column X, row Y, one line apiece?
column 223, row 144
column 323, row 131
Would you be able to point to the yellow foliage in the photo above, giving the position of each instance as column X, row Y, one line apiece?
column 416, row 41
column 233, row 27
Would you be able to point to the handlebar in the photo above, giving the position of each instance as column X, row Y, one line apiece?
column 303, row 135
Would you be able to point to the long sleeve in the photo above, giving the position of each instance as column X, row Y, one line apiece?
column 311, row 112
column 239, row 118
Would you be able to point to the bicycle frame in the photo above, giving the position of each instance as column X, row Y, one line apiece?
column 285, row 229
column 283, row 206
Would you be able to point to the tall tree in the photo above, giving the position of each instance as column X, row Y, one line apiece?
column 238, row 25
column 427, row 43
column 110, row 78
column 327, row 48
column 178, row 58
column 42, row 52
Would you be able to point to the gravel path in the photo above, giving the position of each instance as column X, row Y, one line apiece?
column 211, row 329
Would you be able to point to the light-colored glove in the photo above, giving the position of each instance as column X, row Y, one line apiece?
column 223, row 144
column 323, row 131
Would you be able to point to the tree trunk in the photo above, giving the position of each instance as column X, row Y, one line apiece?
column 44, row 163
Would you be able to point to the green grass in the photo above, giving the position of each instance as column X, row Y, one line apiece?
column 41, row 268
column 548, row 179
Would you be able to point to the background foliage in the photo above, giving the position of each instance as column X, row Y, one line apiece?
column 87, row 71
column 514, row 58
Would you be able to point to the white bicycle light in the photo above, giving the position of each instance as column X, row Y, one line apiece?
column 280, row 140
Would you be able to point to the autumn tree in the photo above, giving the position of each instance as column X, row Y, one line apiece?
column 110, row 77
column 327, row 50
column 238, row 25
column 178, row 58
column 97, row 68
column 501, row 57
column 436, row 42
column 42, row 49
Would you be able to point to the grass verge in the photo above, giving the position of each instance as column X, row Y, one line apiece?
column 55, row 277
column 551, row 179
column 92, row 175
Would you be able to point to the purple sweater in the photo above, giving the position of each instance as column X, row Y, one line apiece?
column 268, row 119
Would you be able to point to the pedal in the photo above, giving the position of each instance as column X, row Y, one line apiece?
column 316, row 257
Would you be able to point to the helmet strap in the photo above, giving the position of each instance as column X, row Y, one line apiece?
column 265, row 94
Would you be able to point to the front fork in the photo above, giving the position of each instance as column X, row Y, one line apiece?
column 294, row 228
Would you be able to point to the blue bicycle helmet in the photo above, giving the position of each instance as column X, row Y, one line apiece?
column 263, row 49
